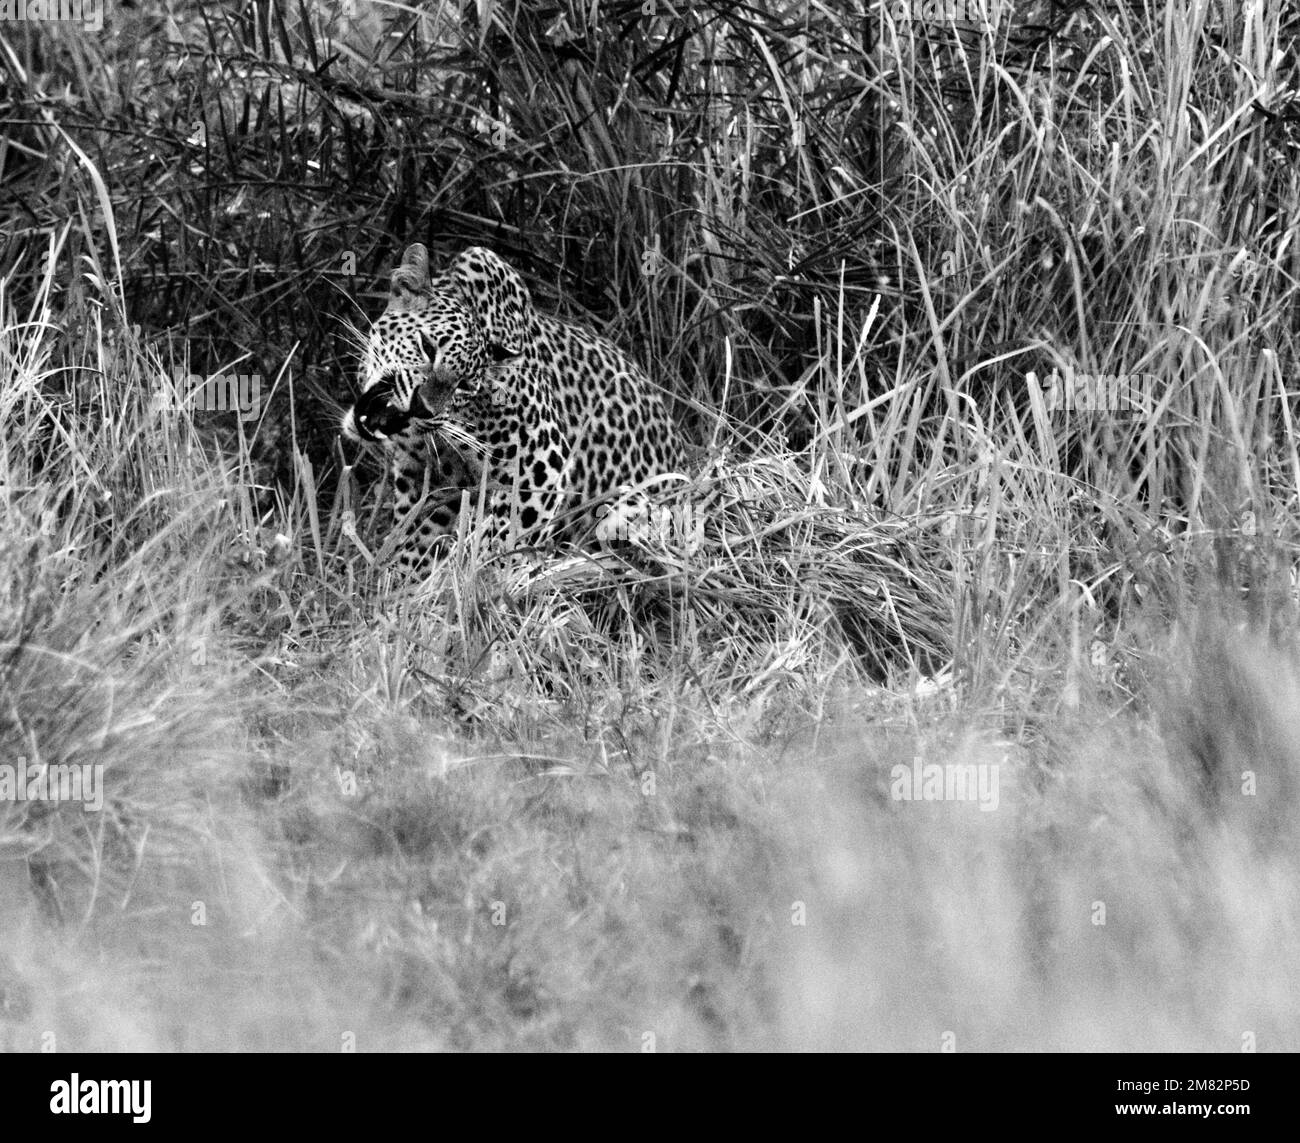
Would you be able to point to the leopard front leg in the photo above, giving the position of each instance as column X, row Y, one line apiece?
column 428, row 483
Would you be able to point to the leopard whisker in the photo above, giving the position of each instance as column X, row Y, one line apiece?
column 353, row 338
column 456, row 433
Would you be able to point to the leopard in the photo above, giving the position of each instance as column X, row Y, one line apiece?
column 542, row 429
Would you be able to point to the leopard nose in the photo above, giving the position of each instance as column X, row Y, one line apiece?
column 430, row 400
column 419, row 408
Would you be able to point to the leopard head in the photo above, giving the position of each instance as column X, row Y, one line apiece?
column 433, row 346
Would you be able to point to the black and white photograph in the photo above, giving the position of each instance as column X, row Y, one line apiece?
column 567, row 527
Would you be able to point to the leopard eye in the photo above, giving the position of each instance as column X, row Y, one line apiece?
column 429, row 346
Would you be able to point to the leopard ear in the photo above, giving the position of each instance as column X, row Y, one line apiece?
column 410, row 285
column 499, row 296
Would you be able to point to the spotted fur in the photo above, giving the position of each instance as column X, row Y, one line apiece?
column 463, row 381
